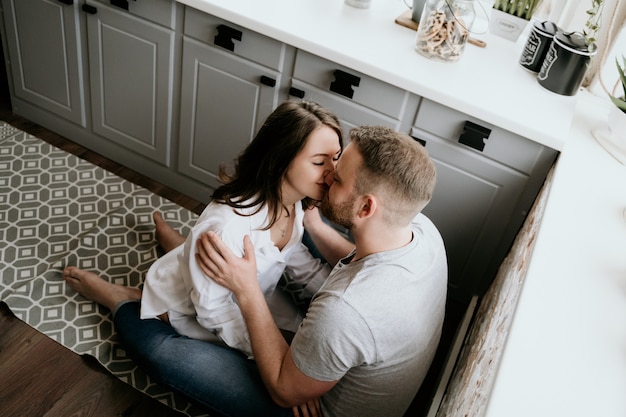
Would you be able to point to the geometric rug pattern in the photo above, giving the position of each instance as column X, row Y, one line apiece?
column 56, row 210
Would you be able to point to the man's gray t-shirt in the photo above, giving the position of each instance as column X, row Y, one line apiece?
column 375, row 325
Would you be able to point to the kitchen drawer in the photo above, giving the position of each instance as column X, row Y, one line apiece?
column 162, row 12
column 239, row 40
column 501, row 145
column 360, row 88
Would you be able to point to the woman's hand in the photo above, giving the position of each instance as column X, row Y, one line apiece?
column 312, row 219
column 310, row 409
column 219, row 263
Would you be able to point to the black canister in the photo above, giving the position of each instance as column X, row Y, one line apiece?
column 536, row 48
column 566, row 63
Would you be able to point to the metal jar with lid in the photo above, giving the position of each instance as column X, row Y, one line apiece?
column 536, row 48
column 444, row 28
column 566, row 63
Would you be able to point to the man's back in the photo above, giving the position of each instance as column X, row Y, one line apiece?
column 375, row 325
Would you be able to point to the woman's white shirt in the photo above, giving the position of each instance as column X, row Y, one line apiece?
column 201, row 309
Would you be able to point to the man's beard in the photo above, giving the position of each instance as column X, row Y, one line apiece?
column 341, row 213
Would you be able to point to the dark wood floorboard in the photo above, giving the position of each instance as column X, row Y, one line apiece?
column 39, row 377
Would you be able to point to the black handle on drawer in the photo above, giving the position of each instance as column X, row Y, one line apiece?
column 66, row 1
column 296, row 92
column 343, row 83
column 90, row 9
column 122, row 4
column 225, row 36
column 270, row 82
column 474, row 135
column 420, row 141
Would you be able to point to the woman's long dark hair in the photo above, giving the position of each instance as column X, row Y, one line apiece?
column 261, row 167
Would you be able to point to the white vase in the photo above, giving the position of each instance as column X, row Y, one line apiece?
column 506, row 25
column 613, row 137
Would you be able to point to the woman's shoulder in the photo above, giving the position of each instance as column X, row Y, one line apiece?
column 220, row 216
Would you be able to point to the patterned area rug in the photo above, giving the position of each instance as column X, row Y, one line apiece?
column 56, row 210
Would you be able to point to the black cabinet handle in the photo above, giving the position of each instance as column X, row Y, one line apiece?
column 474, row 135
column 122, row 4
column 89, row 9
column 343, row 83
column 70, row 2
column 296, row 92
column 268, row 81
column 225, row 36
column 421, row 141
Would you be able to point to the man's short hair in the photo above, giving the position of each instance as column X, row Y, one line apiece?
column 397, row 169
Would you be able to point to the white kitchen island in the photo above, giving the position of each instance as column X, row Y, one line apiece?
column 566, row 350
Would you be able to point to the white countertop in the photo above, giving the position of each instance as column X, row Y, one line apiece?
column 566, row 351
column 486, row 83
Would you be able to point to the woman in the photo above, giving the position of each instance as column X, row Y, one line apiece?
column 279, row 175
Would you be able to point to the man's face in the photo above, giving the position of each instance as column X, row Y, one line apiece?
column 338, row 205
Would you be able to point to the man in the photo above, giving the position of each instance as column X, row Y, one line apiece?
column 371, row 331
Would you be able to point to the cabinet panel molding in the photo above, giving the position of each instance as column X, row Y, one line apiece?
column 223, row 104
column 43, row 54
column 131, row 81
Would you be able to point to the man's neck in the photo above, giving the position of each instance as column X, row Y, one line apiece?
column 368, row 242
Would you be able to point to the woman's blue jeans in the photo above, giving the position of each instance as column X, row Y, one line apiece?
column 219, row 379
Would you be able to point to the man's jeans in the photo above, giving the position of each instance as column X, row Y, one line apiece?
column 218, row 378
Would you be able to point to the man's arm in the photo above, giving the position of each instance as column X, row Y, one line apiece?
column 330, row 243
column 287, row 385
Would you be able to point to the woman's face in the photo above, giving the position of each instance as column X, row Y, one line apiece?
column 306, row 173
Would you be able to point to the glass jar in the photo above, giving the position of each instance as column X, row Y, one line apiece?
column 444, row 28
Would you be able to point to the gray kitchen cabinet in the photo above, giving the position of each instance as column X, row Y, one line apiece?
column 487, row 180
column 131, row 61
column 43, row 52
column 231, row 80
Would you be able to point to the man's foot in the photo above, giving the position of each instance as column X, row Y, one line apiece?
column 94, row 288
column 167, row 237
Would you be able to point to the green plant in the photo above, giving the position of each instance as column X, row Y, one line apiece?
column 594, row 19
column 519, row 8
column 620, row 101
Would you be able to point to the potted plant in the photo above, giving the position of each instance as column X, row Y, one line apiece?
column 594, row 20
column 510, row 17
column 617, row 114
column 613, row 139
column 620, row 101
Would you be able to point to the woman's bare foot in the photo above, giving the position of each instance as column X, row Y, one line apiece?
column 167, row 237
column 94, row 288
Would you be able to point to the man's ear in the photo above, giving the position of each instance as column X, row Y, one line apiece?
column 369, row 205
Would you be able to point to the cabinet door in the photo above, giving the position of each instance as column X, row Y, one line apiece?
column 43, row 43
column 131, row 63
column 223, row 103
column 474, row 200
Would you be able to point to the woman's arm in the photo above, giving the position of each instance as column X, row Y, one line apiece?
column 330, row 243
column 287, row 385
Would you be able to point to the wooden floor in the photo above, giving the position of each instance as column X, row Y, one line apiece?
column 39, row 377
